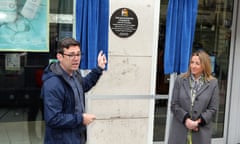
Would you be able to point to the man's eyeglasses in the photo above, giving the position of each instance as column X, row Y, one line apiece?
column 72, row 56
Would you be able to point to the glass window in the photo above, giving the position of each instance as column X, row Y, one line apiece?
column 57, row 32
column 61, row 6
column 213, row 34
column 162, row 80
column 20, row 80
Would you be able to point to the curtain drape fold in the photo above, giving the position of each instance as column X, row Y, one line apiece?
column 180, row 29
column 92, row 30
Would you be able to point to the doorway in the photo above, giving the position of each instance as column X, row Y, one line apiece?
column 213, row 35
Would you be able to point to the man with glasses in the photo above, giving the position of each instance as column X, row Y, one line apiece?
column 63, row 94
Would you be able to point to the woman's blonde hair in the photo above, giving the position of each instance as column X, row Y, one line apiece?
column 205, row 63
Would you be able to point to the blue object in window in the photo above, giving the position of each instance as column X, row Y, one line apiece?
column 92, row 20
column 180, row 28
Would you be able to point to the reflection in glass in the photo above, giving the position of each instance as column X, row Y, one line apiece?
column 21, row 111
column 61, row 6
column 160, row 119
column 213, row 35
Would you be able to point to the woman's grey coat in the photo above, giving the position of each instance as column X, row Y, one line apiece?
column 205, row 105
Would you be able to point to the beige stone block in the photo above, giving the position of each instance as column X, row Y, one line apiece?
column 141, row 42
column 118, row 131
column 125, row 76
column 119, row 108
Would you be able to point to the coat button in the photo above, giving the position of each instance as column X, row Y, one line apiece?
column 195, row 112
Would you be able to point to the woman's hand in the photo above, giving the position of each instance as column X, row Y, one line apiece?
column 192, row 125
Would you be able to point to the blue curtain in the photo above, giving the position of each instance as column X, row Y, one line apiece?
column 92, row 30
column 180, row 28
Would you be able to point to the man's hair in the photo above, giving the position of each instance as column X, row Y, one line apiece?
column 66, row 43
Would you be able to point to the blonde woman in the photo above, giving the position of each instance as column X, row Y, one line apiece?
column 194, row 103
